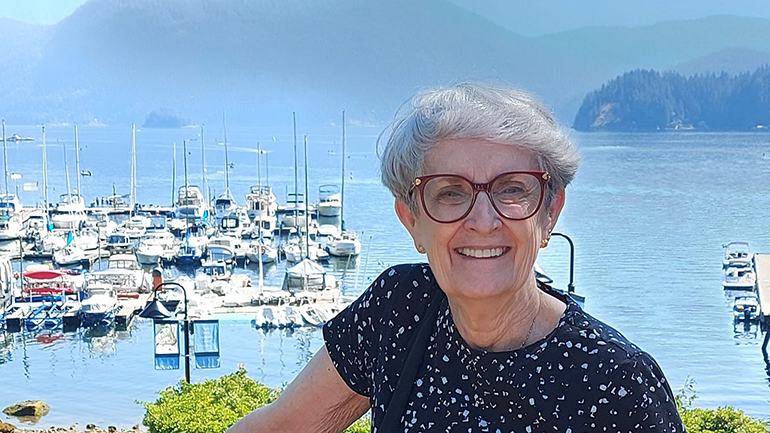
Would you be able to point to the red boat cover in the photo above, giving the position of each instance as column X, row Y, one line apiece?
column 44, row 275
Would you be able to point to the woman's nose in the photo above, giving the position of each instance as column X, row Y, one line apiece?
column 483, row 216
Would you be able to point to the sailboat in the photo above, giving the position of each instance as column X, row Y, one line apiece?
column 347, row 243
column 225, row 203
column 191, row 206
column 70, row 212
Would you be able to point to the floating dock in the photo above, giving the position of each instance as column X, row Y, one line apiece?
column 762, row 266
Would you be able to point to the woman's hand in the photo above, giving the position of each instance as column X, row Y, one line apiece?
column 318, row 400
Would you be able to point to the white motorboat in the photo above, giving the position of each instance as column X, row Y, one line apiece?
column 99, row 306
column 10, row 227
column 191, row 203
column 119, row 242
column 10, row 204
column 315, row 314
column 87, row 240
column 739, row 276
column 292, row 318
column 124, row 275
column 737, row 253
column 135, row 227
column 154, row 246
column 261, row 202
column 746, row 307
column 261, row 250
column 235, row 223
column 70, row 213
column 347, row 244
column 224, row 205
column 295, row 211
column 226, row 248
column 193, row 248
column 70, row 255
column 269, row 316
column 295, row 251
column 330, row 201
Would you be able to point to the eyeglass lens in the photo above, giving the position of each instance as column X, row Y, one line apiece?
column 514, row 195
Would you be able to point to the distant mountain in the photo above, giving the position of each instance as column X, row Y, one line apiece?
column 730, row 60
column 645, row 100
column 119, row 60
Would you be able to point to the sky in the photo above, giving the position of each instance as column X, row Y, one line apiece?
column 38, row 11
column 525, row 17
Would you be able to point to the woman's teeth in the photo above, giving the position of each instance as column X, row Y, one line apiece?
column 494, row 252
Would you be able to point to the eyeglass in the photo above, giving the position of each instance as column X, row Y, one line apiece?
column 515, row 195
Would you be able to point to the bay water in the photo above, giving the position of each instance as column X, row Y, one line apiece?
column 648, row 214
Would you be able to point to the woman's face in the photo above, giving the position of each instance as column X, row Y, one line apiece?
column 453, row 248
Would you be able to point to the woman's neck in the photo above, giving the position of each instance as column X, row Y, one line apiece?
column 507, row 322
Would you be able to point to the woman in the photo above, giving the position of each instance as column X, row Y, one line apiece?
column 471, row 341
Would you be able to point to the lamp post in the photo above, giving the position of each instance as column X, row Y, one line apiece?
column 157, row 311
column 570, row 286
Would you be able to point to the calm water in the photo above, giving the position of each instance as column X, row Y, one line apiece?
column 648, row 214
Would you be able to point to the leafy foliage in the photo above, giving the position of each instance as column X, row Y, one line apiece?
column 721, row 420
column 646, row 100
column 213, row 406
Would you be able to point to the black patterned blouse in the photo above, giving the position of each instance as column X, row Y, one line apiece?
column 584, row 376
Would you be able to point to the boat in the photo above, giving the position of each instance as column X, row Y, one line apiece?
column 330, row 201
column 261, row 202
column 70, row 212
column 16, row 138
column 42, row 283
column 226, row 248
column 235, row 223
column 135, row 227
column 119, row 242
column 224, row 205
column 746, row 307
column 269, row 317
column 99, row 306
column 192, row 250
column 259, row 250
column 155, row 246
column 737, row 253
column 10, row 204
column 345, row 245
column 739, row 276
column 191, row 203
column 308, row 275
column 10, row 227
column 124, row 275
column 70, row 255
column 295, row 211
column 315, row 314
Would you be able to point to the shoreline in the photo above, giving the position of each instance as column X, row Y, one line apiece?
column 76, row 428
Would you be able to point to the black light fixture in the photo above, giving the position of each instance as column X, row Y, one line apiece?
column 155, row 310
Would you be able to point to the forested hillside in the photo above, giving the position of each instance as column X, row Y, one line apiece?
column 646, row 100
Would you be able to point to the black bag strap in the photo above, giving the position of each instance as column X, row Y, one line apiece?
column 396, row 408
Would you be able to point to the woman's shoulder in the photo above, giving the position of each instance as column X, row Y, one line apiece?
column 408, row 277
column 584, row 333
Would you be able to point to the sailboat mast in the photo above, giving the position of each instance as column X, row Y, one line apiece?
column 133, row 167
column 259, row 163
column 294, row 118
column 173, row 176
column 342, row 189
column 227, row 161
column 77, row 160
column 66, row 169
column 307, row 208
column 5, row 159
column 184, row 150
column 203, row 166
column 45, row 173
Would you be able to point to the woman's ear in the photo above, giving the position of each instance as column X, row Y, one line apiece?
column 407, row 217
column 554, row 210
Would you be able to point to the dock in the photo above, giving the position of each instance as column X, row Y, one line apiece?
column 129, row 308
column 762, row 266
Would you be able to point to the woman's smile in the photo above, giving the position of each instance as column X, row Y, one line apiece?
column 483, row 253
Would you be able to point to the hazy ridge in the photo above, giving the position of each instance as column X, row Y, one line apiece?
column 118, row 60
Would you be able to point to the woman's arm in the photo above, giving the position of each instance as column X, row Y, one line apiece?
column 318, row 400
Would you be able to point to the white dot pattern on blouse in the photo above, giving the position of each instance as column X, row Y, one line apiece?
column 584, row 376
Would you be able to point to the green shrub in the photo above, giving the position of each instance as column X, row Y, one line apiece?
column 214, row 405
column 211, row 406
column 721, row 420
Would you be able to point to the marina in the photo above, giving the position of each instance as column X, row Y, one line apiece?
column 624, row 260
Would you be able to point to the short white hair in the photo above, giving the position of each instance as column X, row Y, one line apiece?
column 473, row 111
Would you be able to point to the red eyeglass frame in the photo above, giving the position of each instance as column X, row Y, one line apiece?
column 420, row 181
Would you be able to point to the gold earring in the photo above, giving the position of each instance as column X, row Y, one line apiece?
column 420, row 249
column 544, row 243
